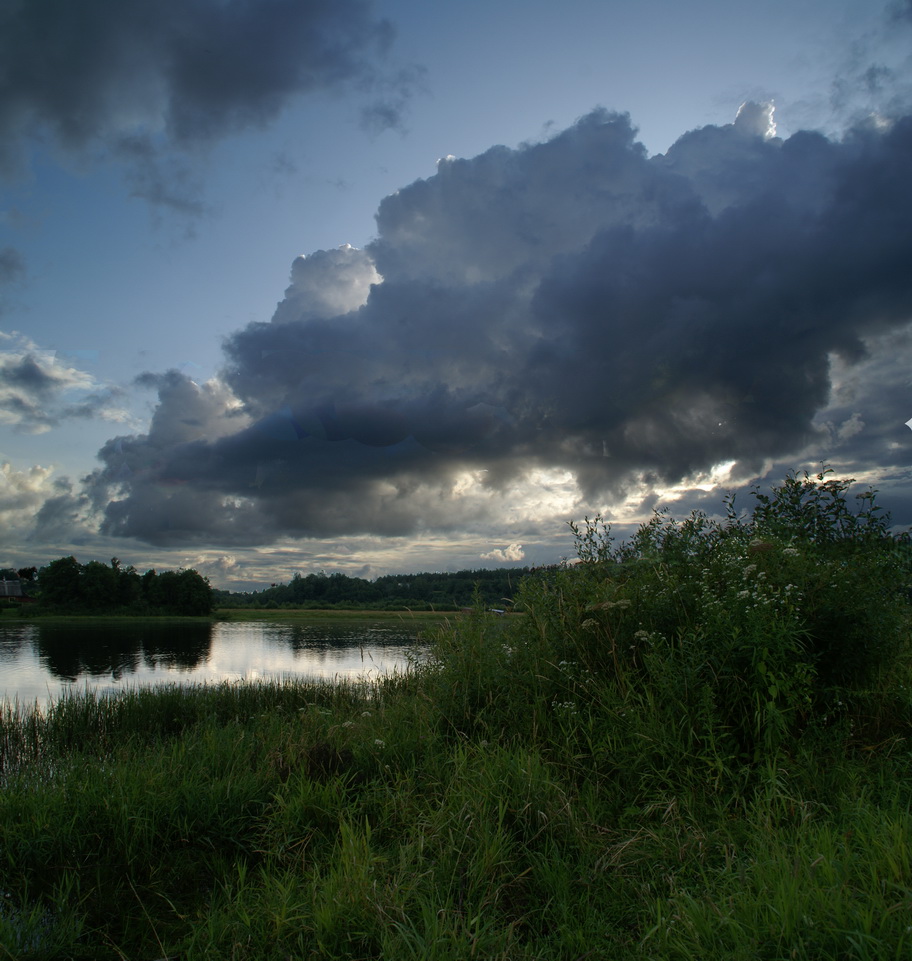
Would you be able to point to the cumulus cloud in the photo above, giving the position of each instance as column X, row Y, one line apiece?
column 37, row 509
column 37, row 393
column 66, row 517
column 327, row 283
column 21, row 493
column 512, row 553
column 137, row 80
column 569, row 322
column 219, row 568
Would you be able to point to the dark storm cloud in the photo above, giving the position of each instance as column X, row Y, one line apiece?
column 864, row 423
column 135, row 77
column 571, row 305
column 59, row 519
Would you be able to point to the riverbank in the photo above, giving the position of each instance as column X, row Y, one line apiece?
column 469, row 809
column 246, row 614
column 308, row 614
column 31, row 617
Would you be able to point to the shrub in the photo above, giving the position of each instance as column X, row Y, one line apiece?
column 736, row 626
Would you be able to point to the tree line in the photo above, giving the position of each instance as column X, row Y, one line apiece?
column 65, row 586
column 421, row 592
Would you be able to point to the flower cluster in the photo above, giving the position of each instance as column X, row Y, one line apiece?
column 735, row 581
column 567, row 707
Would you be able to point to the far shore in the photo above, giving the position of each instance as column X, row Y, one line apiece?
column 244, row 614
column 303, row 613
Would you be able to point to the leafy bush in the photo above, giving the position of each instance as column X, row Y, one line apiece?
column 740, row 626
column 853, row 573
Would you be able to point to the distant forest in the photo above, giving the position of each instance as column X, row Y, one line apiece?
column 65, row 586
column 393, row 592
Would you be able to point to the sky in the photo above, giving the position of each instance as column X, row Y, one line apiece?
column 394, row 286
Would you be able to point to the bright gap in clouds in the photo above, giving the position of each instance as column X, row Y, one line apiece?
column 718, row 476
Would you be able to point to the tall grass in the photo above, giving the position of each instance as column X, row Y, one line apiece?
column 648, row 764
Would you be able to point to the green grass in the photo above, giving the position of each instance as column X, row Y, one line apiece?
column 420, row 818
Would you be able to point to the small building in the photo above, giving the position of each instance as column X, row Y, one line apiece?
column 10, row 586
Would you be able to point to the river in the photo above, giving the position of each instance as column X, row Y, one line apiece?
column 40, row 662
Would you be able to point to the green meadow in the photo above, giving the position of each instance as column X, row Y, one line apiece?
column 692, row 745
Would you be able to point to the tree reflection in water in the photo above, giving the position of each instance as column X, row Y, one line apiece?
column 40, row 662
column 69, row 651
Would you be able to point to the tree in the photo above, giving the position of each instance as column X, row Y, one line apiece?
column 184, row 592
column 98, row 587
column 129, row 588
column 94, row 587
column 194, row 594
column 60, row 584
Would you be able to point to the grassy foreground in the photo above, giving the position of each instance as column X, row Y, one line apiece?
column 664, row 759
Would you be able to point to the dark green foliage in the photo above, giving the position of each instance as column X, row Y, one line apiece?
column 59, row 583
column 739, row 626
column 853, row 573
column 414, row 592
column 68, row 587
column 817, row 511
column 184, row 592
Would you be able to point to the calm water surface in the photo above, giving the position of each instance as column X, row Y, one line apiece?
column 40, row 662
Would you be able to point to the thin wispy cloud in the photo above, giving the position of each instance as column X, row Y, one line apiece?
column 39, row 393
column 12, row 265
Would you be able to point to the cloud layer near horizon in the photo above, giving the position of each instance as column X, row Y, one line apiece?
column 571, row 312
